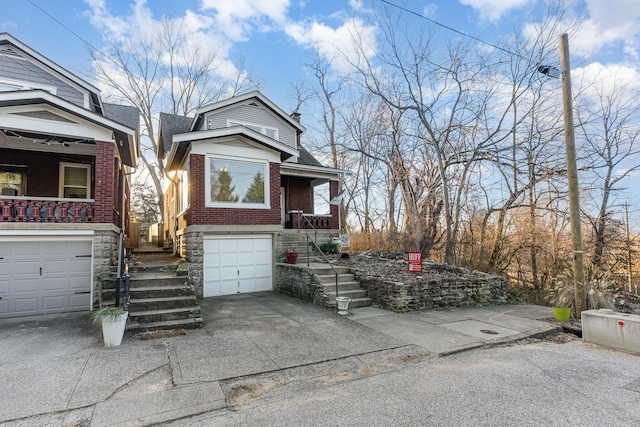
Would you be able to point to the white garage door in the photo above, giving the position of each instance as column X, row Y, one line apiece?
column 237, row 264
column 44, row 277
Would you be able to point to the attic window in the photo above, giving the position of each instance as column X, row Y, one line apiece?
column 253, row 104
column 271, row 132
column 11, row 85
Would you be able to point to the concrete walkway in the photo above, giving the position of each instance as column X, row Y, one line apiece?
column 56, row 371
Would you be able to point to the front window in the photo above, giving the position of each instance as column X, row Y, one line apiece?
column 75, row 181
column 182, row 191
column 235, row 183
column 12, row 181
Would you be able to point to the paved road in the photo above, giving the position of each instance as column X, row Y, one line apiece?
column 535, row 384
column 268, row 359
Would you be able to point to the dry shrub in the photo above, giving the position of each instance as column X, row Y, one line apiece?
column 598, row 285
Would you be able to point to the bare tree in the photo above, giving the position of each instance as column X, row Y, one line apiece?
column 609, row 122
column 168, row 72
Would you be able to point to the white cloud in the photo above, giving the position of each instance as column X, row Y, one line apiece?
column 340, row 45
column 235, row 18
column 609, row 22
column 598, row 79
column 492, row 10
column 430, row 10
column 356, row 4
column 8, row 25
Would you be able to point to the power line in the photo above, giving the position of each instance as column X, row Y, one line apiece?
column 76, row 34
column 452, row 29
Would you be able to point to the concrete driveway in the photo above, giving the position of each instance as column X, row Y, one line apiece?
column 56, row 371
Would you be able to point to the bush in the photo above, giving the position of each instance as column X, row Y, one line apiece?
column 598, row 286
column 330, row 248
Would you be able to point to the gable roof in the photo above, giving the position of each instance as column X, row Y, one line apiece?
column 126, row 137
column 8, row 42
column 182, row 142
column 200, row 112
column 171, row 124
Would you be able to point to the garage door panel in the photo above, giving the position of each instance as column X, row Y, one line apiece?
column 79, row 283
column 38, row 277
column 26, row 268
column 53, row 284
column 25, row 306
column 51, row 303
column 79, row 301
column 25, row 286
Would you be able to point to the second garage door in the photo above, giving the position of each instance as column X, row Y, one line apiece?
column 237, row 264
column 41, row 277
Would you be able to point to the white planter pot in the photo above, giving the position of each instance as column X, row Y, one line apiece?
column 113, row 329
column 343, row 305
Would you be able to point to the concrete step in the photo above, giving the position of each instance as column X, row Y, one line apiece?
column 357, row 302
column 161, row 291
column 135, row 269
column 164, row 315
column 148, row 279
column 353, row 294
column 331, row 278
column 346, row 286
column 190, row 323
column 328, row 271
column 161, row 303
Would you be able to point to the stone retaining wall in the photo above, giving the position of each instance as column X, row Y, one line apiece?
column 479, row 289
column 302, row 283
column 467, row 290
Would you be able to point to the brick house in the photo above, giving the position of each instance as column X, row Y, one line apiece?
column 65, row 162
column 240, row 183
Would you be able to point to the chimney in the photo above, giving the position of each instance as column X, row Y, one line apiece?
column 296, row 116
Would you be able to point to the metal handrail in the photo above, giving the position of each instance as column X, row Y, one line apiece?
column 325, row 258
column 122, row 273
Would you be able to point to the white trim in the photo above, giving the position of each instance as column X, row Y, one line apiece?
column 239, row 131
column 48, row 199
column 26, row 85
column 48, row 63
column 263, row 129
column 74, row 109
column 239, row 205
column 34, row 235
column 249, row 95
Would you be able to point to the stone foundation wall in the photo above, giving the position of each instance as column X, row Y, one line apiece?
column 194, row 250
column 105, row 251
column 481, row 289
column 301, row 282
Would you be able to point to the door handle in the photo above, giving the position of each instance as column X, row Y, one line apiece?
column 41, row 271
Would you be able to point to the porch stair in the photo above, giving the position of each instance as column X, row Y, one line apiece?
column 348, row 286
column 160, row 299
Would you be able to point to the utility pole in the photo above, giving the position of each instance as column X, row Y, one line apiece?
column 572, row 174
column 630, row 263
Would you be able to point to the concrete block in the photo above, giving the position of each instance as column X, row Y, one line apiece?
column 609, row 328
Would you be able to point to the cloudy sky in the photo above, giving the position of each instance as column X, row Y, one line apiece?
column 277, row 37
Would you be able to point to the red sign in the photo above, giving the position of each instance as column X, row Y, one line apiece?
column 415, row 262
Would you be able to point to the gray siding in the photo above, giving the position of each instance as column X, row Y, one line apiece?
column 259, row 115
column 22, row 70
